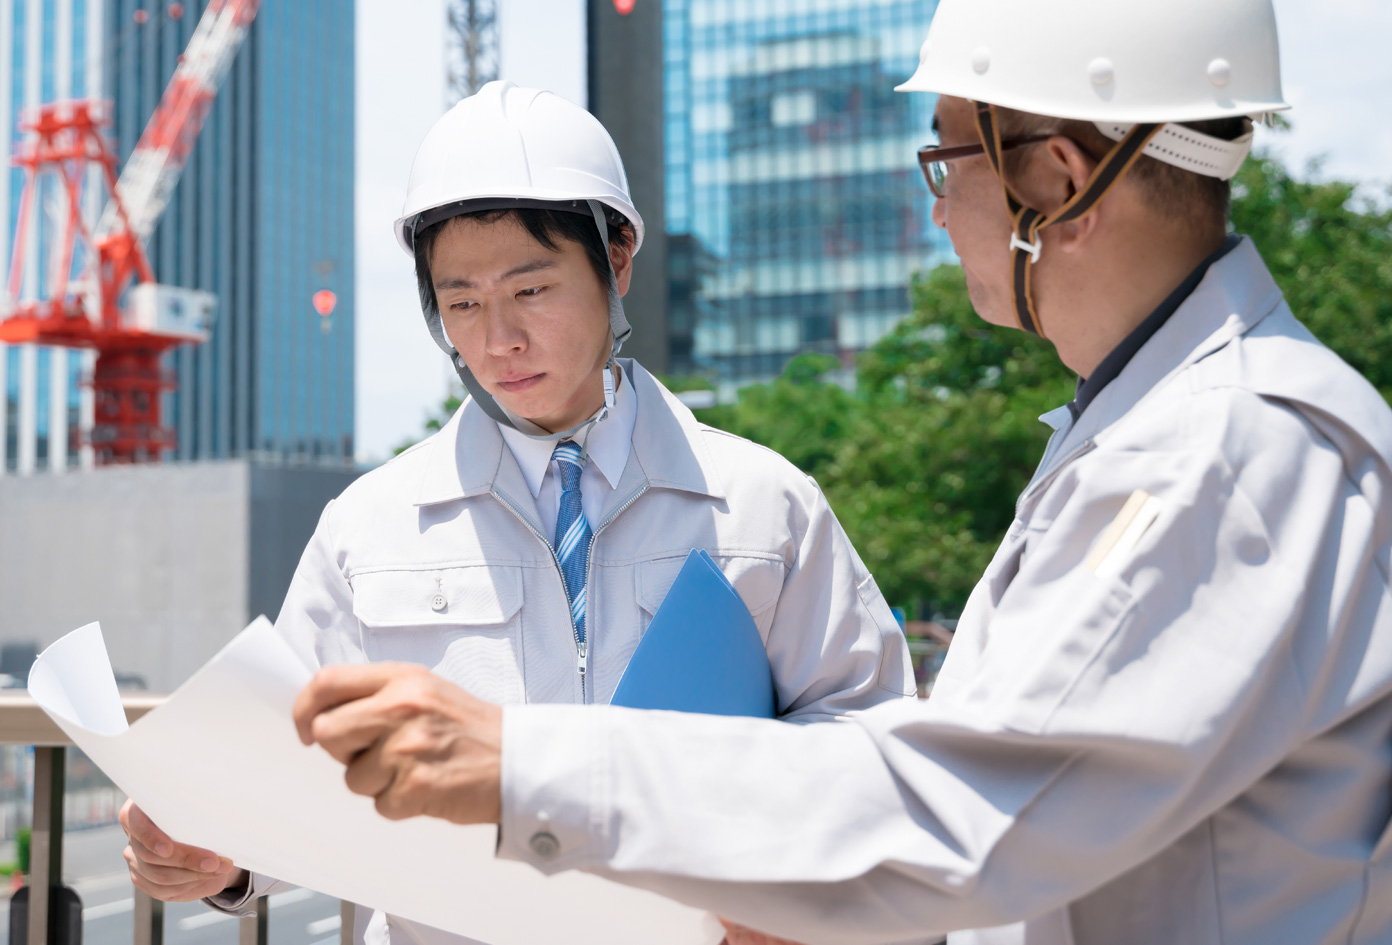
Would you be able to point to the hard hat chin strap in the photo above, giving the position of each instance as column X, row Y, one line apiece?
column 527, row 428
column 1025, row 243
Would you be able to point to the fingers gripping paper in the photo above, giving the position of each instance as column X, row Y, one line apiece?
column 219, row 766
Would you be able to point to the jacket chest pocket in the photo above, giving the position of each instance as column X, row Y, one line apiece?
column 463, row 623
column 757, row 580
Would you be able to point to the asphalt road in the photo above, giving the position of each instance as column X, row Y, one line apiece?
column 93, row 866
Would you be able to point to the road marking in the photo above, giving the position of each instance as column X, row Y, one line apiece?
column 206, row 919
column 108, row 909
column 329, row 924
column 203, row 920
column 291, row 897
column 89, row 884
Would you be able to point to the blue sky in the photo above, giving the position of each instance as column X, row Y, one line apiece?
column 1337, row 74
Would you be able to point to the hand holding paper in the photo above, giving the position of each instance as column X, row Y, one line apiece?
column 170, row 871
column 411, row 740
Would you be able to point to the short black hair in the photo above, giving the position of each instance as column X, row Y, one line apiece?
column 547, row 227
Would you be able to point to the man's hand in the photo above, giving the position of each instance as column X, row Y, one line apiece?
column 413, row 741
column 169, row 871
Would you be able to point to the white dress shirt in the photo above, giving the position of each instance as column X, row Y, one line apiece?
column 610, row 441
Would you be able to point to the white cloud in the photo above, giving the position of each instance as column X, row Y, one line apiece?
column 543, row 45
column 1338, row 78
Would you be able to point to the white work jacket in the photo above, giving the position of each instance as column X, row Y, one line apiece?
column 1166, row 718
column 454, row 517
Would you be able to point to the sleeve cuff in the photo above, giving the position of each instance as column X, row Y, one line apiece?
column 555, row 795
column 241, row 900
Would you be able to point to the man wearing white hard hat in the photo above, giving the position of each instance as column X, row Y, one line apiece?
column 522, row 552
column 1167, row 714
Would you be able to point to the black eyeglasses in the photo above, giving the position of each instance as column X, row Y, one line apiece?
column 934, row 158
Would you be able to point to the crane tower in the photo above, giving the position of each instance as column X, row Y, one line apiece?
column 471, row 47
column 129, row 326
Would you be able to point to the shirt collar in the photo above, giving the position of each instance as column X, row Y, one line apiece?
column 609, row 443
column 1115, row 362
column 469, row 456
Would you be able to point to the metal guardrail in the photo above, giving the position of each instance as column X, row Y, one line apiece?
column 22, row 722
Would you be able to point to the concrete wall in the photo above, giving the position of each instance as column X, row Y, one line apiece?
column 625, row 94
column 173, row 560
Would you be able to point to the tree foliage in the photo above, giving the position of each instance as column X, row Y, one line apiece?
column 1330, row 250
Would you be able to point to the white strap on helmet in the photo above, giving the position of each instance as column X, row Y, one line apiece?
column 1189, row 149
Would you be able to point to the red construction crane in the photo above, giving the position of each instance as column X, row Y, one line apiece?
column 130, row 327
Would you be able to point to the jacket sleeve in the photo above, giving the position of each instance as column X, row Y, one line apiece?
column 317, row 620
column 834, row 645
column 317, row 617
column 1106, row 716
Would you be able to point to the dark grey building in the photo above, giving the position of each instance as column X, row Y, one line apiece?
column 625, row 94
column 173, row 559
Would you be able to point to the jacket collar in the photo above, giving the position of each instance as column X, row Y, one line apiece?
column 468, row 456
column 1235, row 295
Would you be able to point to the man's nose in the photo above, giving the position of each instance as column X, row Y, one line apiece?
column 504, row 332
column 940, row 212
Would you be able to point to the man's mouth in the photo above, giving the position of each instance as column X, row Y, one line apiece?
column 516, row 383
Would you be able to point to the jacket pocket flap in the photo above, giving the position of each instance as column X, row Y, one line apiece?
column 464, row 596
column 757, row 580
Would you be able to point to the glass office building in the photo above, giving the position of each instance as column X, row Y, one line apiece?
column 795, row 209
column 262, row 218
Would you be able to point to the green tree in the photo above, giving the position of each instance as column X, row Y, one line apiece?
column 801, row 415
column 948, row 436
column 1330, row 250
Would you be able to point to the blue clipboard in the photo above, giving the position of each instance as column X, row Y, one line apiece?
column 701, row 653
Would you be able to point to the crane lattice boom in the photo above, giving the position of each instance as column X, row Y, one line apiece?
column 150, row 175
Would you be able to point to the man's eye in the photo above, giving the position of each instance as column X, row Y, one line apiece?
column 462, row 306
column 535, row 290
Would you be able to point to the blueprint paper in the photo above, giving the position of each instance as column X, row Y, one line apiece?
column 219, row 765
column 702, row 651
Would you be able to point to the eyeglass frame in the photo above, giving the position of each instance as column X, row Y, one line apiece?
column 931, row 154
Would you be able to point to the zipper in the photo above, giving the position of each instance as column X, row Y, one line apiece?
column 1041, row 482
column 582, row 654
column 582, row 646
column 582, row 642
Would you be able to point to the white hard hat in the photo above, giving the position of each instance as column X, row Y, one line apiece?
column 1106, row 60
column 510, row 142
column 512, row 148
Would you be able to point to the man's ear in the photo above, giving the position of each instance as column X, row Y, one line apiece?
column 1061, row 169
column 621, row 258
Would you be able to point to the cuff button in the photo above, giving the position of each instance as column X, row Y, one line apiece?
column 545, row 845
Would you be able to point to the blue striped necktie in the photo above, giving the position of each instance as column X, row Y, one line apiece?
column 573, row 535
